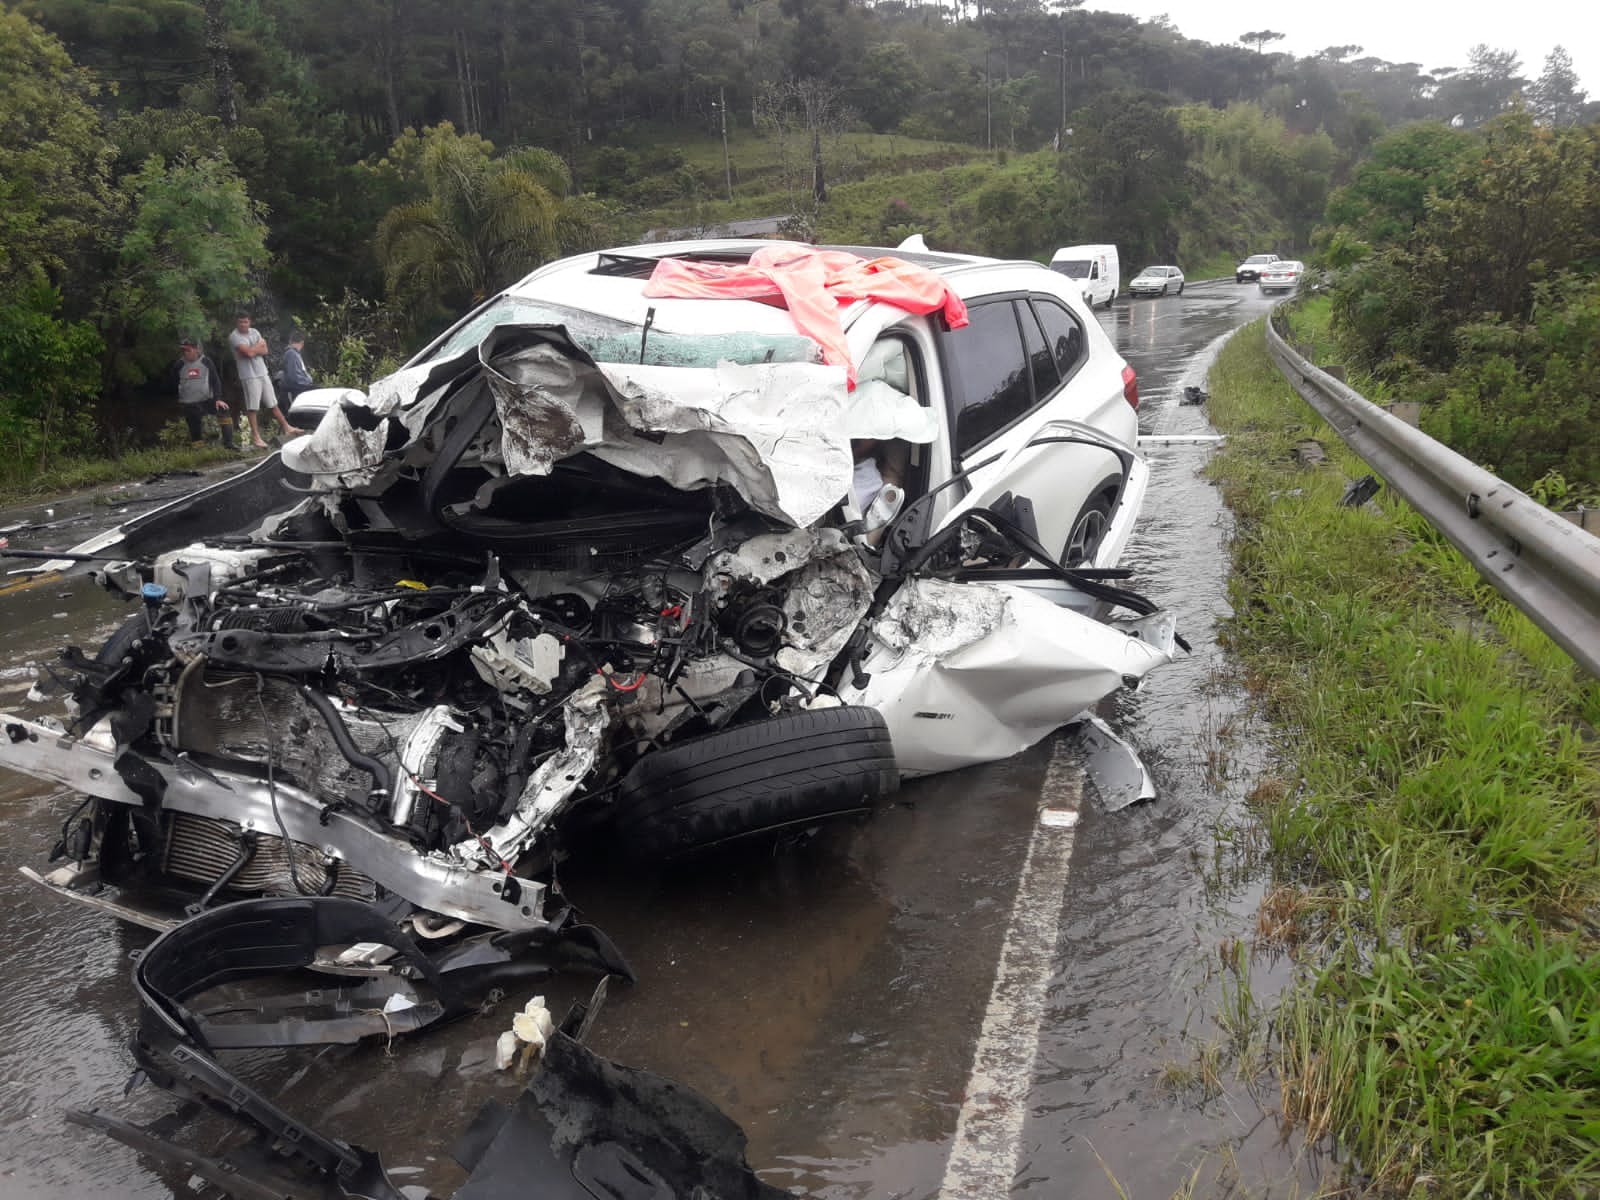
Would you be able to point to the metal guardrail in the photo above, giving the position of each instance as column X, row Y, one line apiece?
column 1548, row 567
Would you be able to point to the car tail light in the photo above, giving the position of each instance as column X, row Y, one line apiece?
column 1130, row 386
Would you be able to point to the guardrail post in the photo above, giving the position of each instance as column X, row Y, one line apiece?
column 1585, row 518
column 1408, row 411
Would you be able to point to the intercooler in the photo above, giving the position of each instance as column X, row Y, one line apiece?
column 202, row 849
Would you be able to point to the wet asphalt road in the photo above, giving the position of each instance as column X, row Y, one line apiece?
column 828, row 997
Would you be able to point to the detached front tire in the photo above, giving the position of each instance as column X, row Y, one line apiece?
column 784, row 772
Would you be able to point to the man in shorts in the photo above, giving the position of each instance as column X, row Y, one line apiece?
column 250, row 356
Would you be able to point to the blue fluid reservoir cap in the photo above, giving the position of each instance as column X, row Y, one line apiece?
column 153, row 593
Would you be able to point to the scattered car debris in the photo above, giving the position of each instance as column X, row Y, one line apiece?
column 583, row 1127
column 1358, row 491
column 530, row 1031
column 1309, row 452
column 1119, row 775
column 1194, row 395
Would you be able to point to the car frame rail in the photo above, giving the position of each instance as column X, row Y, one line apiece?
column 1545, row 565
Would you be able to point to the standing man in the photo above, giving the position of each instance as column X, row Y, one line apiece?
column 199, row 393
column 296, row 378
column 250, row 355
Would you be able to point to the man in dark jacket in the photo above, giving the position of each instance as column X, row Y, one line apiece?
column 200, row 393
column 296, row 378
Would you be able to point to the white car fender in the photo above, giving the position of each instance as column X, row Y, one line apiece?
column 970, row 672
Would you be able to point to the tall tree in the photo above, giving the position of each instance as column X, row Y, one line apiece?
column 221, row 62
column 1557, row 99
column 53, row 157
column 1487, row 87
column 481, row 223
column 1260, row 37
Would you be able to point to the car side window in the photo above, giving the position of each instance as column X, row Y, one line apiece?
column 1063, row 335
column 1041, row 363
column 988, row 374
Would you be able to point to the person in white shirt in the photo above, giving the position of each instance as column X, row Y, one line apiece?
column 250, row 355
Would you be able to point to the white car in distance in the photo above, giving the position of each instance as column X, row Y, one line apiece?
column 1282, row 276
column 1157, row 281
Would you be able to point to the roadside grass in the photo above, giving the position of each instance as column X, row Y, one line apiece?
column 1432, row 827
column 68, row 475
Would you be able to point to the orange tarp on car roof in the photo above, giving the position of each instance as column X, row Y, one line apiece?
column 812, row 284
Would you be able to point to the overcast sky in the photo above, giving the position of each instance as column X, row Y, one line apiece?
column 1435, row 35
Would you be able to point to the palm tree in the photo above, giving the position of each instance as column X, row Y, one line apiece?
column 484, row 223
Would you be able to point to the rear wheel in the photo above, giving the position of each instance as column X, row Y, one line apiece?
column 1088, row 531
column 788, row 771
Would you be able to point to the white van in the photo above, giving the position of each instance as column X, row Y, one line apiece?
column 1096, row 268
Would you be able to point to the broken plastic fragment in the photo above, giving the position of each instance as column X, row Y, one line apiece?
column 505, row 1050
column 533, row 1024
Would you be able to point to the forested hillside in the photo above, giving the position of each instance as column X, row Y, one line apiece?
column 367, row 169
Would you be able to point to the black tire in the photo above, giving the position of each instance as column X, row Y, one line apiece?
column 1180, row 289
column 761, row 778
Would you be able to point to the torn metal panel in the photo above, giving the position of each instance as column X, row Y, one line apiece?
column 585, row 719
column 1119, row 774
column 772, row 432
column 968, row 673
column 548, row 403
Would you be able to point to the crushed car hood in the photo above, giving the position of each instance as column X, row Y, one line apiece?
column 778, row 433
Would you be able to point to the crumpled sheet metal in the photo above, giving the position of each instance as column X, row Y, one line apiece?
column 773, row 432
column 778, row 433
column 970, row 672
column 548, row 404
column 586, row 716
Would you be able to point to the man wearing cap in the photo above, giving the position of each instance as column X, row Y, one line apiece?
column 250, row 356
column 200, row 392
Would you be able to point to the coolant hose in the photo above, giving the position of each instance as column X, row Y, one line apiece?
column 382, row 781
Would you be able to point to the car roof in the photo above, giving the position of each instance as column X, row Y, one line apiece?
column 611, row 283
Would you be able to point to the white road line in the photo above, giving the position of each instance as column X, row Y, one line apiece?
column 983, row 1160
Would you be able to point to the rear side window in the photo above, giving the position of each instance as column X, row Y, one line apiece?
column 988, row 373
column 1041, row 363
column 1062, row 334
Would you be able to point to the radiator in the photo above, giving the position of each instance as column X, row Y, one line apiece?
column 202, row 848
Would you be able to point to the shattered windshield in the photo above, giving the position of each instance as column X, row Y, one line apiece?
column 609, row 340
column 1072, row 268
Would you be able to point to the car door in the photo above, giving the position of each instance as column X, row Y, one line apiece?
column 1025, row 360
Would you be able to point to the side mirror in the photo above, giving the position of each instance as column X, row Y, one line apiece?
column 308, row 407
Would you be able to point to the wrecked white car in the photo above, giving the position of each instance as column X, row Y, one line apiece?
column 605, row 563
